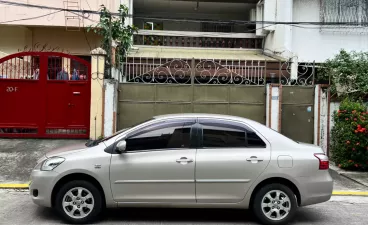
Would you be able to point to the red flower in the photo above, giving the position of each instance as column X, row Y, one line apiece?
column 348, row 142
column 353, row 149
column 356, row 165
column 355, row 119
column 356, row 131
column 354, row 111
column 346, row 119
column 357, row 143
column 339, row 111
column 359, row 126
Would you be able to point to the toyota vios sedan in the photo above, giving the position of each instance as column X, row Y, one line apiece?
column 185, row 160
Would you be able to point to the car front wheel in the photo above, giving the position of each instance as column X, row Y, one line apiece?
column 79, row 202
column 275, row 204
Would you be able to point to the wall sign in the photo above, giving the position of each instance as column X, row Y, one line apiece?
column 11, row 89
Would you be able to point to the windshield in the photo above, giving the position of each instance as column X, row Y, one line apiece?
column 92, row 143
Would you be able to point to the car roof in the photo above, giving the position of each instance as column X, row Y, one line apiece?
column 199, row 115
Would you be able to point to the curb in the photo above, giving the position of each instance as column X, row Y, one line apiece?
column 14, row 186
column 334, row 193
column 350, row 193
column 345, row 174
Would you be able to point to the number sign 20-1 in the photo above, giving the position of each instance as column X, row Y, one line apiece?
column 12, row 89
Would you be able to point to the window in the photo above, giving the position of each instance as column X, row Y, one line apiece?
column 211, row 27
column 215, row 136
column 229, row 135
column 254, row 141
column 166, row 135
column 350, row 11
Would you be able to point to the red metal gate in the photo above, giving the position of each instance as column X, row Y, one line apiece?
column 44, row 95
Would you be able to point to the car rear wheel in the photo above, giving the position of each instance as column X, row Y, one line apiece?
column 79, row 202
column 274, row 204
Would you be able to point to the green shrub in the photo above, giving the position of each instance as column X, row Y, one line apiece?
column 349, row 136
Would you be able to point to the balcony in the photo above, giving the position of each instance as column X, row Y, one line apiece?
column 212, row 24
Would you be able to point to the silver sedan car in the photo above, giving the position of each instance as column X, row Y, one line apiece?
column 185, row 160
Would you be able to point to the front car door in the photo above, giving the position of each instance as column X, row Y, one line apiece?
column 158, row 165
column 231, row 156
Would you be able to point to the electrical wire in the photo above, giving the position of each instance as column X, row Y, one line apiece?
column 30, row 18
column 191, row 20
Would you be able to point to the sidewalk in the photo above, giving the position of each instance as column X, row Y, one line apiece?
column 358, row 177
column 19, row 156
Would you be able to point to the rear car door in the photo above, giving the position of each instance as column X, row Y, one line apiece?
column 158, row 165
column 230, row 157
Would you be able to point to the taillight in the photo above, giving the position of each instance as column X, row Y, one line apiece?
column 323, row 161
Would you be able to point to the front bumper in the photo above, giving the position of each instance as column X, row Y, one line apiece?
column 40, row 189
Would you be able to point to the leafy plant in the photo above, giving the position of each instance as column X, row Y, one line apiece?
column 350, row 136
column 348, row 72
column 114, row 28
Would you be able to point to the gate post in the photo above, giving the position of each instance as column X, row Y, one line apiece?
column 273, row 110
column 97, row 78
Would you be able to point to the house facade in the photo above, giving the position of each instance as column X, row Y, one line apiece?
column 204, row 56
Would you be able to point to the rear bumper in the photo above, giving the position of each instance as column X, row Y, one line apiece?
column 315, row 189
column 40, row 189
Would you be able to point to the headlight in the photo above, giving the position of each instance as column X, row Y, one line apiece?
column 51, row 163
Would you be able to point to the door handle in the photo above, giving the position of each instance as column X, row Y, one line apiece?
column 184, row 160
column 254, row 159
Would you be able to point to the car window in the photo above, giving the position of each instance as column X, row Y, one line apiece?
column 218, row 136
column 166, row 135
column 254, row 141
column 221, row 134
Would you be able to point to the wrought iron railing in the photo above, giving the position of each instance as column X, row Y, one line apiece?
column 216, row 71
column 198, row 39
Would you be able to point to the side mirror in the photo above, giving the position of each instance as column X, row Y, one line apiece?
column 120, row 147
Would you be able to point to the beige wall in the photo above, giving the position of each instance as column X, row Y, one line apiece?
column 9, row 12
column 15, row 38
column 97, row 97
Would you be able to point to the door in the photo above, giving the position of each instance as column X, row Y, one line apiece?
column 78, row 93
column 230, row 158
column 158, row 165
column 297, row 118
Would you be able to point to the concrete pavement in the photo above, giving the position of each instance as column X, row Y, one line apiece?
column 19, row 156
column 16, row 208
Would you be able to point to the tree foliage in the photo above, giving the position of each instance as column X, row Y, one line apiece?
column 348, row 72
column 349, row 137
column 121, row 33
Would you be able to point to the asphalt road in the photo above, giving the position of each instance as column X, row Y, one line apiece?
column 17, row 208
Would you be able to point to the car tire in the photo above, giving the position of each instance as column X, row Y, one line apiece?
column 274, row 204
column 79, row 202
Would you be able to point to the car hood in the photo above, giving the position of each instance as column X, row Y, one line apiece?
column 69, row 149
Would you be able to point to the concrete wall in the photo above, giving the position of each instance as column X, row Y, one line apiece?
column 310, row 42
column 97, row 93
column 315, row 44
column 15, row 38
column 10, row 12
column 278, row 40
